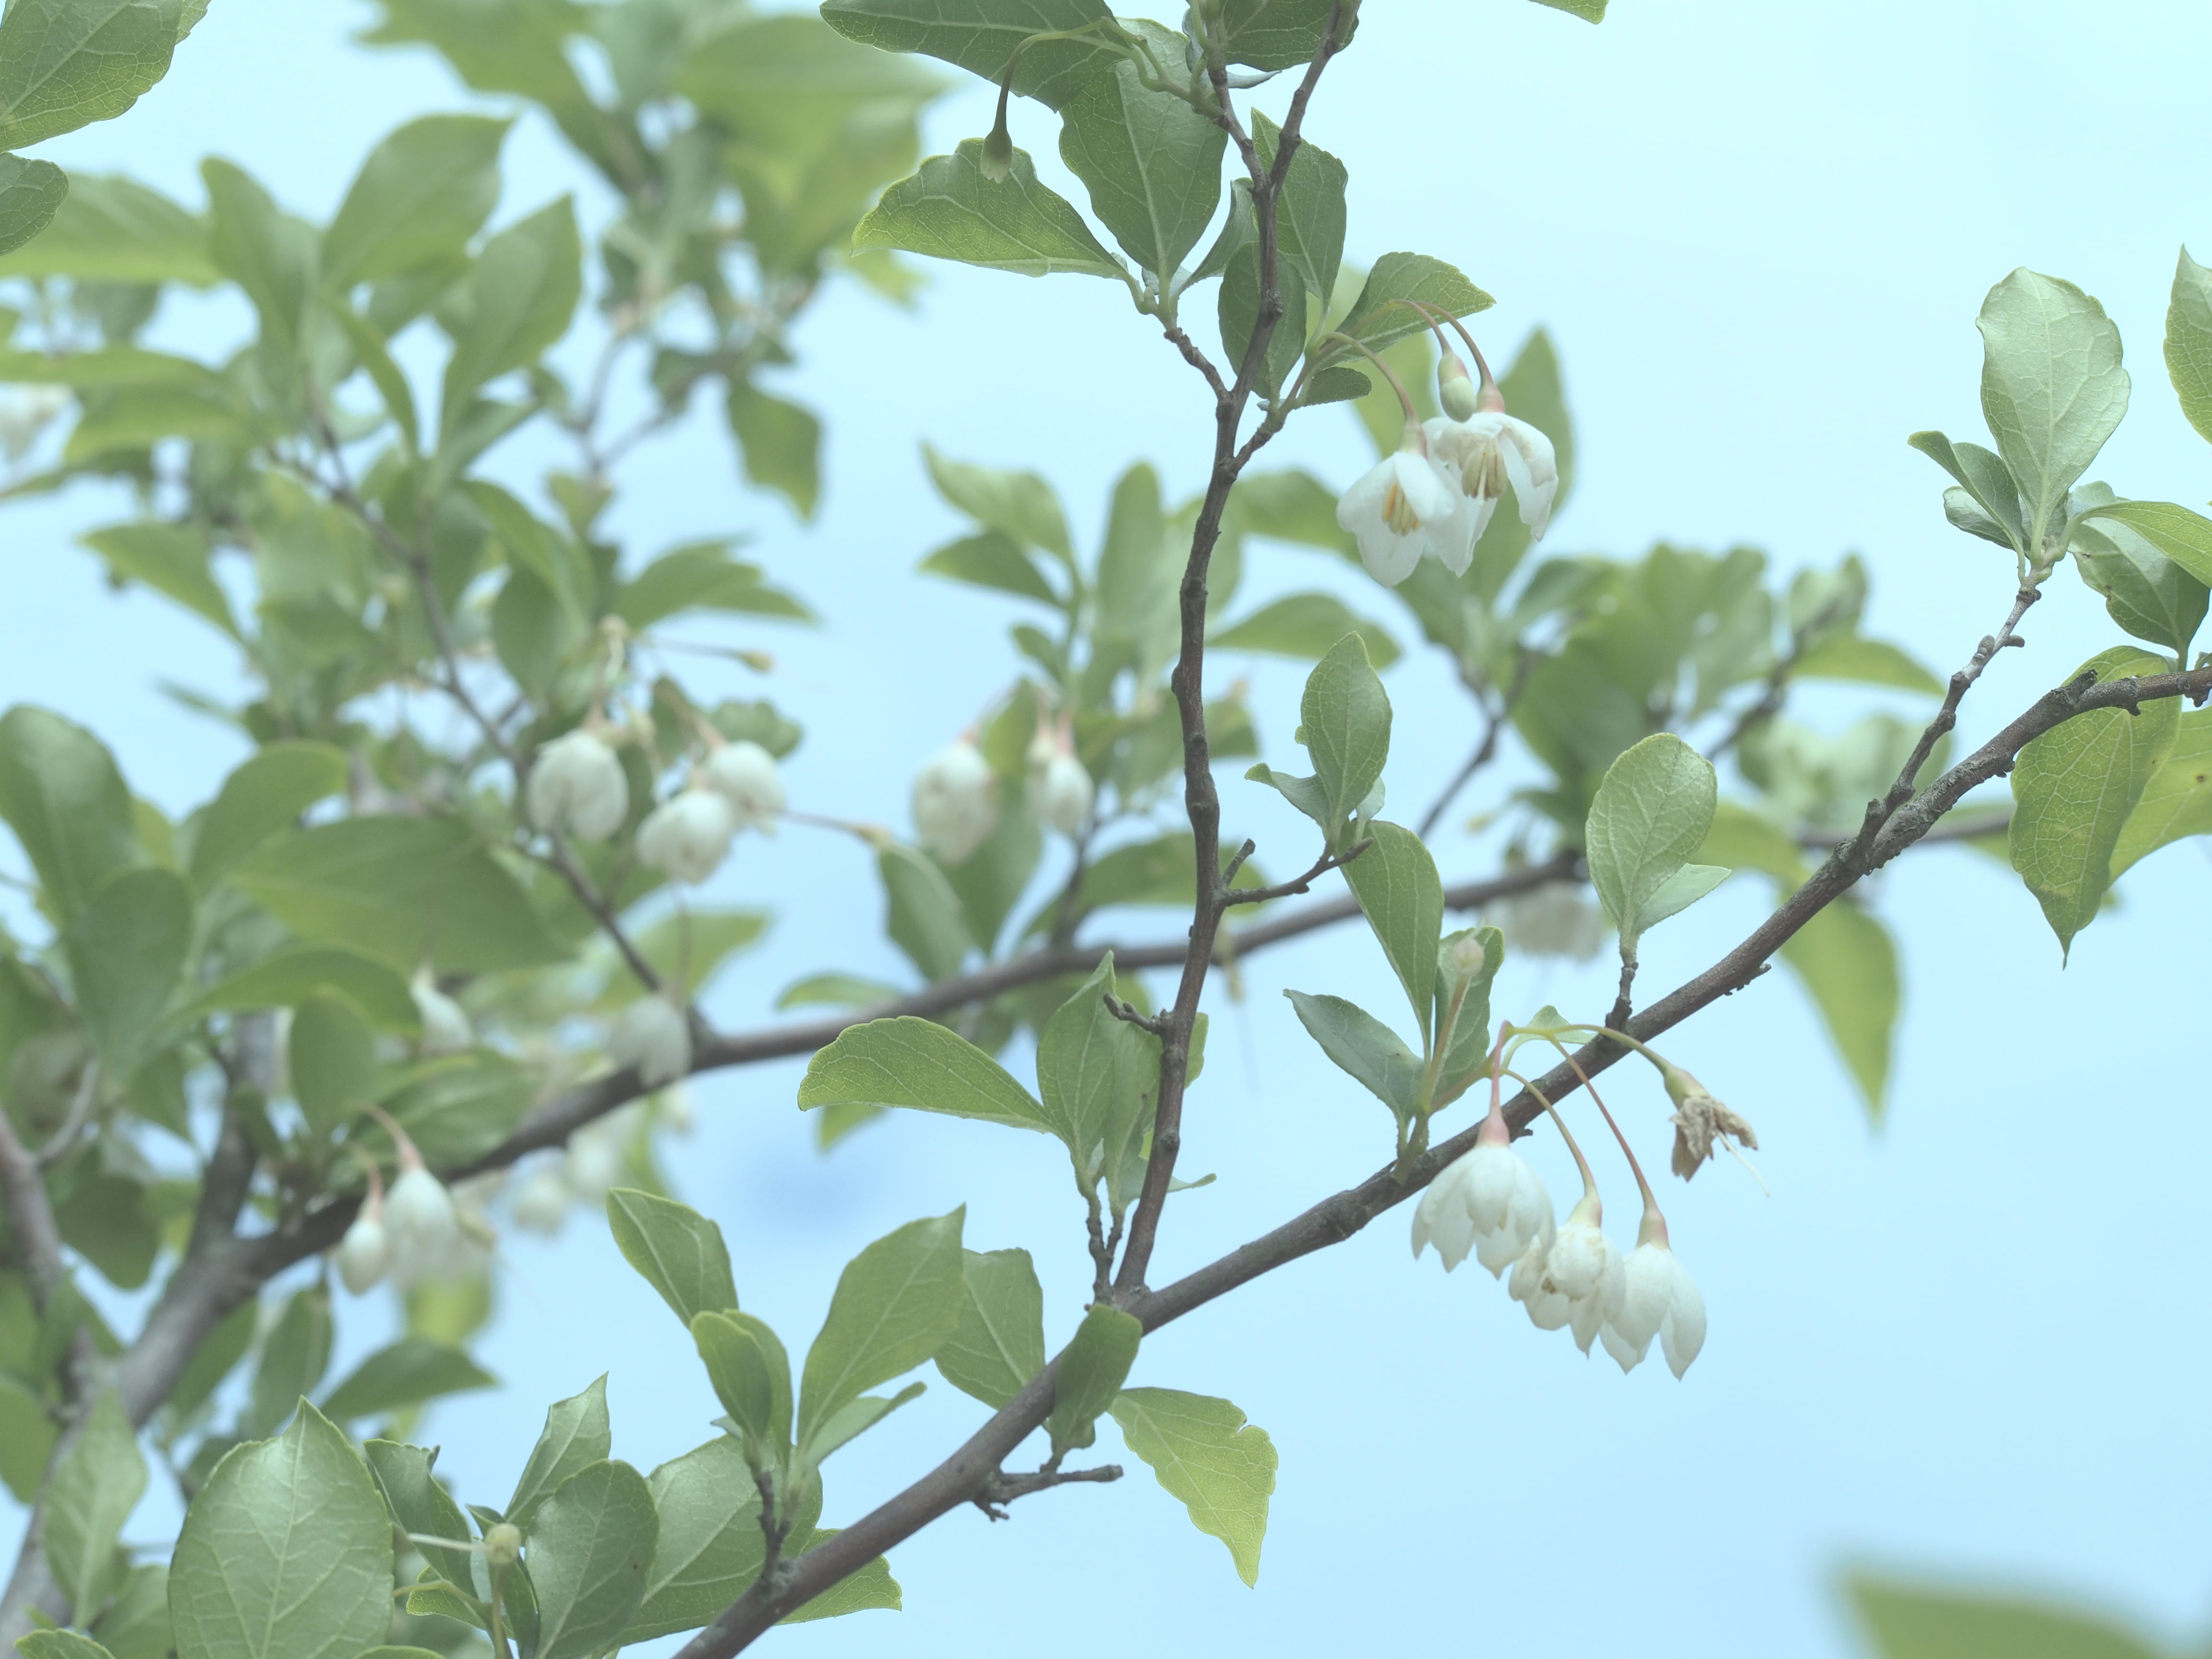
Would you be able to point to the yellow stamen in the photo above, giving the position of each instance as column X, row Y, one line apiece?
column 1398, row 511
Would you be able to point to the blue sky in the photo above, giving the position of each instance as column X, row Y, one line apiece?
column 1970, row 1341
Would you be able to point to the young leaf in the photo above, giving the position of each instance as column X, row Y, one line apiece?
column 1365, row 1048
column 1152, row 163
column 332, row 1054
column 1310, row 213
column 2147, row 594
column 290, row 977
column 1277, row 34
column 921, row 911
column 421, row 1505
column 992, row 559
column 1306, row 625
column 708, row 1548
column 2189, row 342
column 2176, row 801
column 984, row 36
column 406, row 1373
column 1019, row 506
column 2052, row 388
column 2074, row 789
column 1091, row 1375
column 112, row 229
column 1237, row 312
column 679, row 1252
column 591, row 1544
column 93, row 1492
column 999, row 1343
column 1205, row 1454
column 1649, row 818
column 950, row 210
column 918, row 1064
column 170, row 559
column 263, row 797
column 1909, row 1622
column 1085, row 1058
column 285, row 1553
column 1345, row 718
column 2183, row 536
column 751, row 1376
column 125, row 950
column 780, row 442
column 577, row 1432
column 1375, row 320
column 895, row 1303
column 1402, row 897
column 293, row 1357
column 61, row 794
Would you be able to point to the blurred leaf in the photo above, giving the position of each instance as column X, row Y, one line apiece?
column 519, row 296
column 991, row 560
column 1203, row 1452
column 1020, row 506
column 407, row 1373
column 114, row 230
column 332, row 1055
column 61, row 794
column 1849, row 964
column 701, row 576
column 1866, row 662
column 834, row 990
column 97, row 1484
column 948, row 210
column 295, row 1353
column 31, row 192
column 1910, row 1622
column 923, row 914
column 126, row 949
column 168, row 558
column 781, row 444
column 291, row 976
column 261, row 798
column 1306, row 625
column 424, row 191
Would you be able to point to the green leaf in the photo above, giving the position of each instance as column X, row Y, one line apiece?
column 1466, row 1056
column 405, row 890
column 1306, row 625
column 290, row 977
column 126, row 949
column 1292, row 505
column 1862, row 661
column 375, row 358
column 1019, row 506
column 61, row 794
column 1203, row 1452
column 1402, row 897
column 423, row 192
column 98, row 1483
column 2176, row 801
column 2147, row 594
column 31, row 193
column 1091, row 1371
column 1590, row 11
column 923, row 914
column 518, row 299
column 709, row 1546
column 992, row 559
column 701, row 577
column 60, row 1644
column 65, row 63
column 262, row 798
column 1848, row 963
column 1275, row 35
column 590, row 1546
column 950, row 210
column 2189, row 342
column 285, row 1553
column 751, row 1376
column 2074, row 789
column 1237, row 313
column 333, row 1059
column 998, row 1345
column 1365, row 1048
column 1646, row 823
column 168, row 558
column 1151, row 163
column 407, row 1373
column 675, row 1250
column 2052, row 388
column 918, row 1064
column 421, row 1505
column 864, row 1589
column 895, row 1303
column 1091, row 1066
column 781, row 443
column 1345, row 724
column 294, row 1356
column 836, row 991
column 135, row 1624
column 112, row 229
column 1375, row 320
column 1310, row 213
column 1911, row 1622
column 982, row 37
column 856, row 1417
column 577, row 1433
column 27, row 1434
column 2183, row 536
column 265, row 252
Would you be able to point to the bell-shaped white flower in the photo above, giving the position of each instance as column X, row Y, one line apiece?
column 1489, row 450
column 577, row 785
column 745, row 774
column 1578, row 1282
column 1406, row 506
column 955, row 801
column 366, row 1250
column 423, row 1228
column 596, row 1155
column 1064, row 793
column 445, row 1028
column 653, row 1035
column 1659, row 1298
column 1491, row 1202
column 687, row 836
column 541, row 1199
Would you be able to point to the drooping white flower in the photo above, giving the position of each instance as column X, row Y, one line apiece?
column 577, row 785
column 1489, row 450
column 26, row 412
column 366, row 1249
column 1064, row 793
column 445, row 1028
column 423, row 1229
column 955, row 801
column 1578, row 1281
column 1491, row 1202
column 653, row 1035
column 1659, row 1298
column 541, row 1199
column 745, row 774
column 687, row 835
column 596, row 1155
column 1403, row 506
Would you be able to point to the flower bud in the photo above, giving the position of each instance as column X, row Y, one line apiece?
column 743, row 774
column 577, row 785
column 1063, row 794
column 955, row 803
column 596, row 1155
column 445, row 1028
column 502, row 1545
column 996, row 162
column 1490, row 1202
column 688, row 836
column 653, row 1035
column 365, row 1250
column 1469, row 956
column 1456, row 388
column 541, row 1199
column 425, row 1230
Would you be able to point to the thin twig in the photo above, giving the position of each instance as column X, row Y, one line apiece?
column 1002, row 1488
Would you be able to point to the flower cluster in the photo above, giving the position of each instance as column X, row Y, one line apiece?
column 687, row 835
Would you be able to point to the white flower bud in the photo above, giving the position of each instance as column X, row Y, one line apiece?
column 955, row 803
column 425, row 1230
column 688, row 836
column 653, row 1035
column 1579, row 1281
column 1658, row 1298
column 445, row 1028
column 1491, row 1202
column 596, row 1153
column 577, row 785
column 541, row 1199
column 1469, row 956
column 364, row 1251
column 502, row 1545
column 745, row 774
column 1064, row 792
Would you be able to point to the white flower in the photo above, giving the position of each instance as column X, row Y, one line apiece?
column 1064, row 792
column 28, row 412
column 1659, row 1299
column 955, row 805
column 445, row 1028
column 364, row 1251
column 1490, row 1201
column 687, row 835
column 577, row 785
column 541, row 1199
column 596, row 1154
column 1578, row 1281
column 653, row 1035
column 425, row 1230
column 1552, row 921
column 1405, row 507
column 743, row 774
column 1486, row 452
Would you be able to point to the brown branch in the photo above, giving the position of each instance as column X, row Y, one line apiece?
column 1002, row 1489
